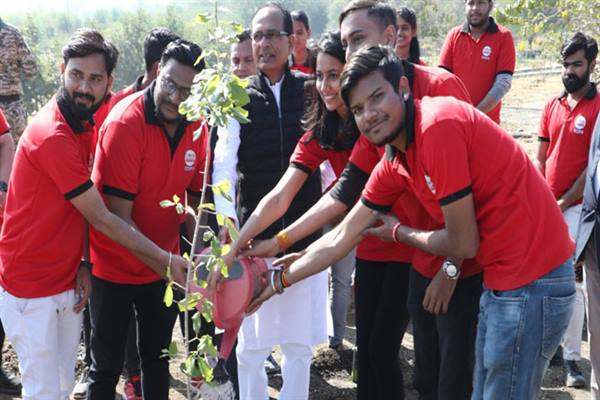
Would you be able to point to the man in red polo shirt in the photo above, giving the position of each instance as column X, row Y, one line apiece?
column 146, row 153
column 482, row 54
column 495, row 206
column 9, row 384
column 564, row 141
column 45, row 282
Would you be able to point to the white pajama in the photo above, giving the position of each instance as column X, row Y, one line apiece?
column 45, row 333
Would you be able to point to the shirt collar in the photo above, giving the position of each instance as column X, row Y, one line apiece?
column 74, row 123
column 589, row 95
column 491, row 28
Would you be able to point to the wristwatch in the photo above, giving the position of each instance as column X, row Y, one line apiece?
column 450, row 270
column 3, row 186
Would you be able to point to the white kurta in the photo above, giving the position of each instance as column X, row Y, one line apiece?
column 298, row 315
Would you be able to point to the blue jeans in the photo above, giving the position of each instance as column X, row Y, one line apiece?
column 518, row 333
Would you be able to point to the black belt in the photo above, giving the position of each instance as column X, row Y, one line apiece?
column 10, row 99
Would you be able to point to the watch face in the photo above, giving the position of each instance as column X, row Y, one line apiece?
column 451, row 269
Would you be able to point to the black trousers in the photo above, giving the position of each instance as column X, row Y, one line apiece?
column 444, row 344
column 381, row 290
column 110, row 312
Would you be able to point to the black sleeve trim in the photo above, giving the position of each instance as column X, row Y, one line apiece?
column 194, row 193
column 505, row 72
column 79, row 190
column 113, row 191
column 301, row 167
column 446, row 68
column 543, row 139
column 456, row 196
column 350, row 185
column 376, row 207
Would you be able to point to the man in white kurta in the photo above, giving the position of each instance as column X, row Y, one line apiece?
column 296, row 320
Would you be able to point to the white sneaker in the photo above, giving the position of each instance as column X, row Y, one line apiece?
column 80, row 390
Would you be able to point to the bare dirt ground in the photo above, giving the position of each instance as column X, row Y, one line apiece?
column 331, row 372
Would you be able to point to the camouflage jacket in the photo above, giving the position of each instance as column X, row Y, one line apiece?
column 16, row 59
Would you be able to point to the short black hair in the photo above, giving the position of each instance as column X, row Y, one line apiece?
column 87, row 41
column 184, row 52
column 300, row 16
column 380, row 12
column 365, row 61
column 580, row 41
column 243, row 36
column 155, row 42
column 288, row 26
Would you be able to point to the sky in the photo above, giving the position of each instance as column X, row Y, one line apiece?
column 79, row 6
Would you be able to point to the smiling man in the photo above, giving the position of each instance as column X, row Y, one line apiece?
column 501, row 213
column 45, row 282
column 146, row 153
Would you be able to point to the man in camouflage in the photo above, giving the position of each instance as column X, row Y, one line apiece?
column 16, row 61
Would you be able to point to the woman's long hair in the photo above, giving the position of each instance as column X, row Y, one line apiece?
column 409, row 15
column 327, row 126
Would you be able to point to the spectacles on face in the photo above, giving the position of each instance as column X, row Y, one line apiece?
column 270, row 35
column 171, row 87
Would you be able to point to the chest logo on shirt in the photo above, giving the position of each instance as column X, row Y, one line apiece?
column 486, row 53
column 580, row 123
column 190, row 160
column 429, row 184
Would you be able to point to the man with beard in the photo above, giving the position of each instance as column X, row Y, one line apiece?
column 146, row 153
column 45, row 281
column 501, row 213
column 482, row 54
column 564, row 141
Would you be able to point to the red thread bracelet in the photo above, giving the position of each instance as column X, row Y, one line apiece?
column 395, row 231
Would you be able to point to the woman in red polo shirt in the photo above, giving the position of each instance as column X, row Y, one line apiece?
column 407, row 43
column 326, row 141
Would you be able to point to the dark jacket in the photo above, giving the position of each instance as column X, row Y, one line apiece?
column 590, row 212
column 266, row 144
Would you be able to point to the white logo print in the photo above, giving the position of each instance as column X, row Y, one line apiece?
column 486, row 53
column 580, row 124
column 430, row 184
column 190, row 160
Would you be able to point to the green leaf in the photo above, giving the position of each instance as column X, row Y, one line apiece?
column 205, row 369
column 208, row 235
column 224, row 268
column 176, row 199
column 226, row 248
column 202, row 18
column 206, row 346
column 231, row 229
column 173, row 349
column 215, row 247
column 168, row 298
column 221, row 219
column 180, row 208
column 207, row 311
column 196, row 322
column 166, row 203
column 208, row 206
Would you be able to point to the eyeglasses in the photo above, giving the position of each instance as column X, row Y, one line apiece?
column 270, row 35
column 172, row 88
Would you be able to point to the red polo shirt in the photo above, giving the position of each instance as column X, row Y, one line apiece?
column 477, row 61
column 423, row 81
column 453, row 151
column 385, row 186
column 109, row 102
column 4, row 127
column 309, row 155
column 42, row 236
column 569, row 133
column 136, row 160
